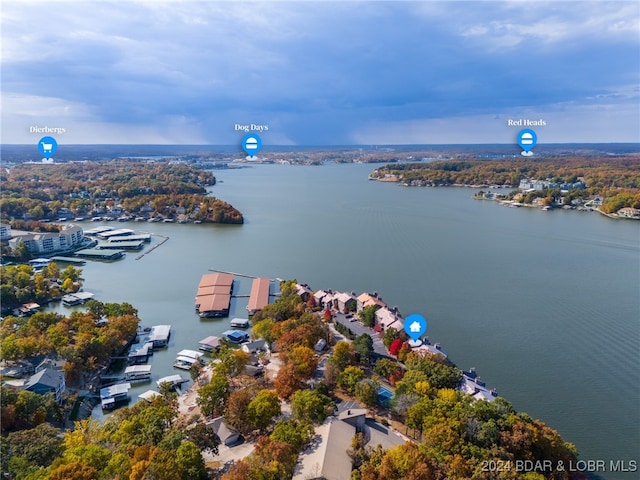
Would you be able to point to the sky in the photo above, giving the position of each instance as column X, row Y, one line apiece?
column 319, row 73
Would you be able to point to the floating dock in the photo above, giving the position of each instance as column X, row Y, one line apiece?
column 259, row 297
column 141, row 237
column 95, row 254
column 131, row 245
column 71, row 260
column 213, row 297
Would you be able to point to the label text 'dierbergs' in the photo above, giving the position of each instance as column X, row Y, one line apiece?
column 45, row 129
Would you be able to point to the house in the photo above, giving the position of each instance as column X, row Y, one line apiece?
column 368, row 299
column 303, row 291
column 227, row 436
column 388, row 319
column 46, row 381
column 629, row 212
column 320, row 297
column 256, row 346
column 346, row 301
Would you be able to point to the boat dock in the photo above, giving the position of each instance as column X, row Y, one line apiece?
column 95, row 254
column 213, row 297
column 259, row 297
column 121, row 245
column 71, row 260
column 77, row 298
column 111, row 396
column 160, row 335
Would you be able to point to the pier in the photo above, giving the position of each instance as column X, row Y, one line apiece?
column 164, row 239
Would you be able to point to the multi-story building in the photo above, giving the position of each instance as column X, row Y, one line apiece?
column 49, row 242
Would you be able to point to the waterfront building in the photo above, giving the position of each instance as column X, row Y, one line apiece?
column 256, row 346
column 137, row 372
column 236, row 336
column 5, row 231
column 213, row 297
column 346, row 301
column 259, row 297
column 186, row 359
column 368, row 299
column 47, row 380
column 48, row 242
column 388, row 319
column 240, row 323
column 111, row 396
column 209, row 344
column 159, row 335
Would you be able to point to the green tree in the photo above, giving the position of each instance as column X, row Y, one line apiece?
column 368, row 315
column 311, row 406
column 190, row 461
column 295, row 433
column 212, row 397
column 349, row 378
column 263, row 409
column 363, row 344
column 367, row 392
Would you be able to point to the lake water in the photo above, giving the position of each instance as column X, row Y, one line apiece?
column 545, row 305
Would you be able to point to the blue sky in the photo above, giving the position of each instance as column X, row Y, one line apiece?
column 361, row 72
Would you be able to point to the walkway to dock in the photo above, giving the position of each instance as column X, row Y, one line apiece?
column 164, row 239
column 243, row 275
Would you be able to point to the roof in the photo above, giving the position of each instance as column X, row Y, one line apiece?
column 47, row 377
column 190, row 353
column 255, row 345
column 259, row 297
column 212, row 290
column 137, row 369
column 209, row 303
column 149, row 395
column 216, row 279
column 336, row 464
column 221, row 429
column 211, row 341
column 113, row 390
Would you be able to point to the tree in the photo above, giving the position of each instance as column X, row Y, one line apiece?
column 212, row 397
column 204, row 438
column 367, row 392
column 385, row 367
column 40, row 445
column 311, row 406
column 349, row 378
column 189, row 459
column 287, row 381
column 363, row 344
column 395, row 346
column 263, row 409
column 343, row 354
column 235, row 414
column 295, row 433
column 368, row 315
column 390, row 335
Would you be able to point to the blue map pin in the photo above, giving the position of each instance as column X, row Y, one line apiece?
column 527, row 139
column 415, row 325
column 47, row 146
column 251, row 144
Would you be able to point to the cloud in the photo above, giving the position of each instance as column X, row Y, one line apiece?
column 315, row 71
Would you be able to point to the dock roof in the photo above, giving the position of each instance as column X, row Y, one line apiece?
column 95, row 253
column 113, row 390
column 210, row 341
column 211, row 303
column 259, row 297
column 209, row 279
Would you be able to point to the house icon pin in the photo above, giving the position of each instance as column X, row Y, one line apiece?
column 415, row 327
